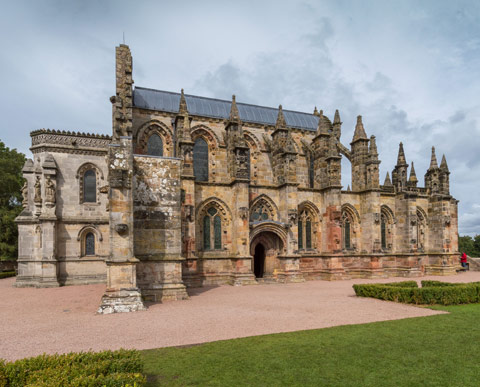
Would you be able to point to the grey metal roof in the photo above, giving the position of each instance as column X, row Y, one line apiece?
column 209, row 107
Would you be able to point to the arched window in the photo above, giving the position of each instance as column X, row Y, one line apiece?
column 90, row 244
column 89, row 186
column 305, row 230
column 155, row 145
column 383, row 230
column 212, row 230
column 346, row 231
column 200, row 160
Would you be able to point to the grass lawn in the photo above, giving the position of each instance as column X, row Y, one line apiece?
column 441, row 350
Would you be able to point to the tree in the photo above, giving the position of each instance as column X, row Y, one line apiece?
column 469, row 245
column 11, row 181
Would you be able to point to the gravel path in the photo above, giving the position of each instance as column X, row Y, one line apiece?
column 34, row 321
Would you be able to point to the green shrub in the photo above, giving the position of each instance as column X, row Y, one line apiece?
column 6, row 274
column 431, row 292
column 82, row 369
column 3, row 376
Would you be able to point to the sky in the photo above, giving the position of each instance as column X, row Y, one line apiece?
column 410, row 68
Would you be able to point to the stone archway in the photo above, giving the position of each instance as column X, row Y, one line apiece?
column 264, row 248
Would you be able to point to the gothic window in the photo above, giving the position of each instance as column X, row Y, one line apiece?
column 212, row 230
column 311, row 171
column 346, row 230
column 90, row 244
column 260, row 213
column 155, row 145
column 305, row 230
column 200, row 160
column 383, row 231
column 89, row 186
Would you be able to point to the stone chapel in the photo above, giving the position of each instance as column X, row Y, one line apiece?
column 192, row 191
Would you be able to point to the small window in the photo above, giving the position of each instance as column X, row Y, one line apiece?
column 90, row 244
column 206, row 233
column 384, row 232
column 300, row 235
column 200, row 160
column 155, row 145
column 308, row 232
column 90, row 186
column 347, row 234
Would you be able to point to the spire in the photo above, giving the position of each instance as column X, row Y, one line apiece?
column 315, row 112
column 359, row 130
column 336, row 119
column 183, row 104
column 401, row 156
column 234, row 115
column 281, row 123
column 373, row 146
column 443, row 164
column 322, row 127
column 348, row 188
column 387, row 182
column 433, row 161
column 413, row 177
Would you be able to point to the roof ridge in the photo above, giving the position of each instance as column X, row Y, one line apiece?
column 226, row 101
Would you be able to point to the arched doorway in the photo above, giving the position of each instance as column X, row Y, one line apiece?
column 259, row 261
column 264, row 248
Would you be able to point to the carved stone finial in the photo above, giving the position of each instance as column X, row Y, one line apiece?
column 387, row 182
column 315, row 112
column 281, row 123
column 443, row 164
column 373, row 146
column 336, row 118
column 433, row 160
column 359, row 130
column 401, row 160
column 182, row 109
column 413, row 177
column 234, row 114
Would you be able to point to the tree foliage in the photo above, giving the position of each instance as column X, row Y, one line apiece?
column 469, row 245
column 11, row 181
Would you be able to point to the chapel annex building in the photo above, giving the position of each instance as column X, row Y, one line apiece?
column 193, row 191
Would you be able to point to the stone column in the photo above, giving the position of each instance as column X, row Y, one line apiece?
column 122, row 294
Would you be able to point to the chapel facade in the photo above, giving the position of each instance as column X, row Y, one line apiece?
column 191, row 191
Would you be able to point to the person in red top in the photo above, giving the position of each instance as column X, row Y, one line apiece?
column 463, row 260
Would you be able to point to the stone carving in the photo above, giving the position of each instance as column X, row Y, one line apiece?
column 38, row 191
column 292, row 216
column 121, row 228
column 243, row 212
column 49, row 191
column 25, row 194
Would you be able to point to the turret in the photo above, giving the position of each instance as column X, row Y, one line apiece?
column 432, row 177
column 373, row 173
column 399, row 174
column 412, row 181
column 360, row 157
column 444, row 177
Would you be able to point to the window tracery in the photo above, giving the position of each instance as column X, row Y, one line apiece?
column 212, row 230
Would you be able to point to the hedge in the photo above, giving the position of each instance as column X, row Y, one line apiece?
column 6, row 274
column 431, row 292
column 85, row 369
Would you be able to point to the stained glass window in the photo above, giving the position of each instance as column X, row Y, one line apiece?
column 308, row 232
column 90, row 186
column 217, row 230
column 206, row 233
column 90, row 244
column 300, row 234
column 260, row 213
column 200, row 160
column 347, row 233
column 155, row 145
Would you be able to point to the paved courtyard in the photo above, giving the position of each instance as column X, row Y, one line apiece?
column 34, row 321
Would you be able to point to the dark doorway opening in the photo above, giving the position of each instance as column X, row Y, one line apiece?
column 259, row 261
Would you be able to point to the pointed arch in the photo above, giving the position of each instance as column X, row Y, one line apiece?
column 213, row 220
column 263, row 208
column 387, row 221
column 208, row 135
column 155, row 127
column 352, row 211
column 421, row 214
column 308, row 220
